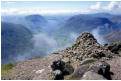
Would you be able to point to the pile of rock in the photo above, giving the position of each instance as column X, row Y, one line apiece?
column 82, row 55
column 86, row 46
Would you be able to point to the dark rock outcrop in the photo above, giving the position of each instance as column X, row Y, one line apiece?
column 58, row 65
column 114, row 47
column 60, row 68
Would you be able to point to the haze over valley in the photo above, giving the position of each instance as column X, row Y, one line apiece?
column 32, row 35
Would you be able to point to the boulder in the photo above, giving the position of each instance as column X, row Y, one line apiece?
column 68, row 69
column 60, row 68
column 92, row 76
column 57, row 75
column 78, row 73
column 101, row 68
column 58, row 65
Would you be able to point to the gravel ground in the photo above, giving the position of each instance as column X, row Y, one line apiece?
column 116, row 68
column 38, row 69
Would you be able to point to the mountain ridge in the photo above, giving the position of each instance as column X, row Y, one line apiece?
column 15, row 39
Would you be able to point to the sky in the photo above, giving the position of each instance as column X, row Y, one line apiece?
column 59, row 7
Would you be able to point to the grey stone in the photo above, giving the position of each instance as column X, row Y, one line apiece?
column 57, row 75
column 87, row 60
column 64, row 68
column 78, row 73
column 92, row 76
column 101, row 68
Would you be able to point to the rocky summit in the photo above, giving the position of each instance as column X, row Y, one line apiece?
column 86, row 46
column 86, row 59
column 82, row 56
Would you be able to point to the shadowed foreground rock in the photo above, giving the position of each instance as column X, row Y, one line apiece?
column 57, row 75
column 100, row 68
column 60, row 69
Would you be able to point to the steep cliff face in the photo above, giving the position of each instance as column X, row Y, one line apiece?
column 85, row 59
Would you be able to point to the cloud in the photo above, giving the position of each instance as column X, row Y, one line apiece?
column 96, row 6
column 73, row 36
column 113, row 7
column 96, row 34
column 43, row 45
column 14, row 11
column 10, row 11
column 10, row 2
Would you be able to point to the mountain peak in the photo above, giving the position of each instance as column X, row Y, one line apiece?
column 86, row 46
column 87, row 38
column 85, row 52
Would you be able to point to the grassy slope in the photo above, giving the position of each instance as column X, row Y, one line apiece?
column 5, row 68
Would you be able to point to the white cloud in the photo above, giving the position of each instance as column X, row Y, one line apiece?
column 112, row 7
column 73, row 36
column 10, row 11
column 14, row 11
column 96, row 6
column 10, row 2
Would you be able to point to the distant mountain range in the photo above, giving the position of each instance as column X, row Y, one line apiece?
column 36, row 22
column 88, row 22
column 17, row 31
column 114, row 36
column 15, row 39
